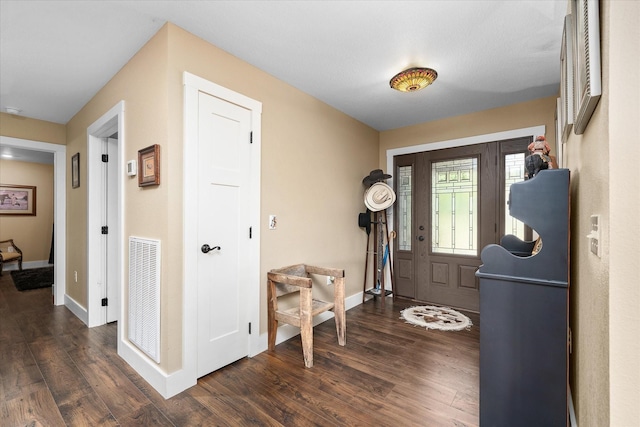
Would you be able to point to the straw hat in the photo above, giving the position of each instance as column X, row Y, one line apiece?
column 379, row 197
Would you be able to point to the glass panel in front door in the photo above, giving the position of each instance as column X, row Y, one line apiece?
column 454, row 213
column 404, row 207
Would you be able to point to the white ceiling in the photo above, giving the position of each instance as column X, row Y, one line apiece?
column 55, row 55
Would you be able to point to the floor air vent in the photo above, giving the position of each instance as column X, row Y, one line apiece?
column 144, row 295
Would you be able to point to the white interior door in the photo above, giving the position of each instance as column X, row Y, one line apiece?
column 110, row 219
column 223, row 224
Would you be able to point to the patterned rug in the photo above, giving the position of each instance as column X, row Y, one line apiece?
column 433, row 317
column 32, row 278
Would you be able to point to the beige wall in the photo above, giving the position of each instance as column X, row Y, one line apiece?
column 624, row 203
column 32, row 129
column 313, row 162
column 142, row 84
column 517, row 116
column 32, row 234
column 605, row 296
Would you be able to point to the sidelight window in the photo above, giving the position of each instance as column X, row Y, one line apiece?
column 404, row 207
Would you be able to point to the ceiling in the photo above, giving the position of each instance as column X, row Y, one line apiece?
column 56, row 55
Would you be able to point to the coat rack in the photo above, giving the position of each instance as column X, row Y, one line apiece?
column 379, row 251
column 378, row 197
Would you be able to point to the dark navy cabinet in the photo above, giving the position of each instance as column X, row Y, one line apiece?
column 524, row 301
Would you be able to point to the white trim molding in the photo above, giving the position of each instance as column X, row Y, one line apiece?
column 110, row 122
column 461, row 142
column 59, row 208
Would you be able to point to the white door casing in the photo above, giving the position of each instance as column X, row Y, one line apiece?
column 59, row 210
column 221, row 208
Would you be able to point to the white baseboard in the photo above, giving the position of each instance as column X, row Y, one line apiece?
column 168, row 385
column 77, row 309
column 572, row 411
column 12, row 266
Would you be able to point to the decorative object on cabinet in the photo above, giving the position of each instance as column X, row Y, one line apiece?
column 588, row 81
column 524, row 311
column 9, row 252
column 566, row 78
column 17, row 200
column 75, row 170
column 297, row 278
column 149, row 166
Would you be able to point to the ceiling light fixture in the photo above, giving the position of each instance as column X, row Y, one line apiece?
column 413, row 79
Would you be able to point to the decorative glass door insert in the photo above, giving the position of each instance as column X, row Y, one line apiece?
column 454, row 214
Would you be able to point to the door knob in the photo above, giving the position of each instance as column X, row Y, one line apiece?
column 421, row 238
column 206, row 248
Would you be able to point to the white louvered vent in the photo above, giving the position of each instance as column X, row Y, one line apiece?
column 144, row 295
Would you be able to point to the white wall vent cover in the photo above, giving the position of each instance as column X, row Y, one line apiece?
column 144, row 295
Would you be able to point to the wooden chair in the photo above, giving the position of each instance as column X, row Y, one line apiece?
column 9, row 252
column 297, row 278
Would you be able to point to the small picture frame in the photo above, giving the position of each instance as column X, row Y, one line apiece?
column 149, row 166
column 75, row 170
column 17, row 200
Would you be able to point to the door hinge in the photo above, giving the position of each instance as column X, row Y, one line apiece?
column 251, row 137
column 250, row 232
column 105, row 302
column 105, row 158
column 249, row 328
column 105, row 229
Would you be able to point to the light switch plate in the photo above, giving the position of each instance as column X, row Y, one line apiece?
column 594, row 235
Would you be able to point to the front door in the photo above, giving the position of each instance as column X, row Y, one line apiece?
column 450, row 205
column 223, row 232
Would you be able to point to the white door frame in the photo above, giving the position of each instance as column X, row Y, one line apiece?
column 59, row 207
column 192, row 86
column 112, row 121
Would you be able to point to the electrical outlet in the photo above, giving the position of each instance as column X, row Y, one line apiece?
column 75, row 276
column 273, row 222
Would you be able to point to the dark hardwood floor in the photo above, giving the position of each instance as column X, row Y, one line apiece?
column 54, row 371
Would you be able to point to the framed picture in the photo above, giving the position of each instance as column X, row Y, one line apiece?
column 149, row 166
column 17, row 200
column 75, row 170
column 588, row 81
column 566, row 78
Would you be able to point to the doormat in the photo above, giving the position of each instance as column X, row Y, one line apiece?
column 433, row 317
column 32, row 278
